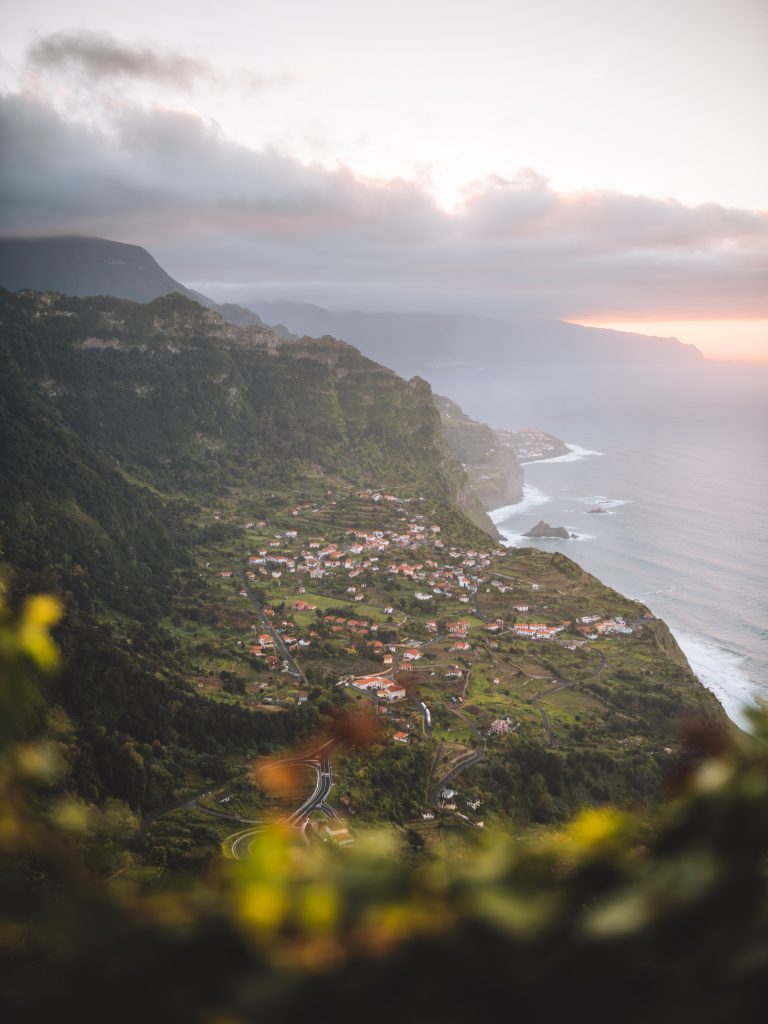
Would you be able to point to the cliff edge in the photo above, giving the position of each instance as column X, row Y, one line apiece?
column 489, row 460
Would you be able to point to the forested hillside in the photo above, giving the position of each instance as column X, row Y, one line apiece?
column 151, row 450
column 117, row 420
column 183, row 400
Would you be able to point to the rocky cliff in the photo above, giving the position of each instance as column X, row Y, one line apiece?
column 180, row 399
column 487, row 455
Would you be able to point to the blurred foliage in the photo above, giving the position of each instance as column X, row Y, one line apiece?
column 613, row 918
column 25, row 643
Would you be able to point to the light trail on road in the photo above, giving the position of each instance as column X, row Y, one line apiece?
column 319, row 761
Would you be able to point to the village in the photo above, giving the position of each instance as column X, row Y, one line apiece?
column 360, row 596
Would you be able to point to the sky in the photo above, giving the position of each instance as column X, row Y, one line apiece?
column 599, row 161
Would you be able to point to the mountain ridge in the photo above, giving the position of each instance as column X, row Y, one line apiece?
column 420, row 342
column 85, row 266
column 410, row 343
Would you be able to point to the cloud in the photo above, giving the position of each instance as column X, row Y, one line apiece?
column 215, row 211
column 100, row 58
column 528, row 207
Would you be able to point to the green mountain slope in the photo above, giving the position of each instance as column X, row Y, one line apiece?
column 151, row 451
column 116, row 420
column 183, row 400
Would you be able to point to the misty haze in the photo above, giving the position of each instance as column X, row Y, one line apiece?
column 382, row 497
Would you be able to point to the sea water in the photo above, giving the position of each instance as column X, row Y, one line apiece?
column 677, row 462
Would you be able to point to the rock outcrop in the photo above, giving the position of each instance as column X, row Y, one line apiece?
column 542, row 529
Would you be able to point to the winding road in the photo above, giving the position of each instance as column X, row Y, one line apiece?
column 316, row 801
column 319, row 760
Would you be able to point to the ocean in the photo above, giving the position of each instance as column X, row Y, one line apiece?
column 677, row 461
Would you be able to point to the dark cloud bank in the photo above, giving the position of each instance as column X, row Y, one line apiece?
column 216, row 213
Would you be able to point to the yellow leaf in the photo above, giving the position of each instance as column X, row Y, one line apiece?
column 39, row 646
column 263, row 905
column 596, row 826
column 42, row 611
column 319, row 906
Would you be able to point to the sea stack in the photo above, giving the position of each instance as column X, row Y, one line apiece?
column 542, row 529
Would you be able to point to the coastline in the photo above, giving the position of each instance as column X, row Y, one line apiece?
column 716, row 667
column 575, row 454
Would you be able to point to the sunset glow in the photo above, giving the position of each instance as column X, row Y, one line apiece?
column 740, row 341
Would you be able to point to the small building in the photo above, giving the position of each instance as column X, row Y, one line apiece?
column 340, row 836
column 457, row 628
column 390, row 692
column 370, row 684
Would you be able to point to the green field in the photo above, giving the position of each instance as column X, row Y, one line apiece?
column 359, row 608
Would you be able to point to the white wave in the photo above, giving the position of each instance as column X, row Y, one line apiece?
column 532, row 497
column 575, row 454
column 528, row 542
column 510, row 539
column 601, row 501
column 722, row 672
